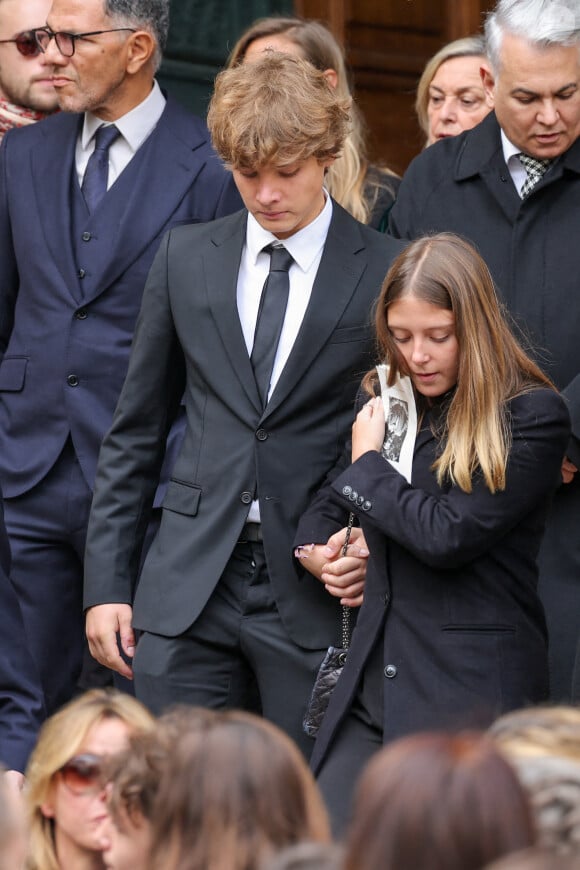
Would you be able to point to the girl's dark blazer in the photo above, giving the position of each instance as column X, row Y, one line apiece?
column 451, row 580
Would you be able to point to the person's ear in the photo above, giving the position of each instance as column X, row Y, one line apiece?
column 331, row 77
column 140, row 49
column 47, row 809
column 488, row 82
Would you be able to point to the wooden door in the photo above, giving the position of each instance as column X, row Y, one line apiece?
column 388, row 43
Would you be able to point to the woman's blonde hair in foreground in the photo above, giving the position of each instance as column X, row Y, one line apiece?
column 59, row 740
column 233, row 792
column 278, row 110
column 347, row 180
column 446, row 271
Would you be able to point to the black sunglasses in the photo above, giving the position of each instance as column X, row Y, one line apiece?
column 83, row 773
column 26, row 43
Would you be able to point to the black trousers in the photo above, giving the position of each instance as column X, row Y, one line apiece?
column 353, row 746
column 236, row 654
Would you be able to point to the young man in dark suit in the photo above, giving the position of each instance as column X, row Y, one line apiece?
column 81, row 219
column 222, row 604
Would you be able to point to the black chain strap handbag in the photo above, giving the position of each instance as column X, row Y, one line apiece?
column 331, row 668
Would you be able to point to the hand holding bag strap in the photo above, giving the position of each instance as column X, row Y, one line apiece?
column 331, row 668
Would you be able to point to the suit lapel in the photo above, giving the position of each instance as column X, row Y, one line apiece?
column 51, row 171
column 221, row 264
column 166, row 172
column 482, row 154
column 337, row 278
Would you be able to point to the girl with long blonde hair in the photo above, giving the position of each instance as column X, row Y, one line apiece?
column 451, row 631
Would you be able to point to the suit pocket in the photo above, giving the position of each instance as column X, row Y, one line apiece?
column 13, row 373
column 479, row 628
column 182, row 497
column 350, row 333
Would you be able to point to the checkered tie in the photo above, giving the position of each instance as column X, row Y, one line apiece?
column 534, row 170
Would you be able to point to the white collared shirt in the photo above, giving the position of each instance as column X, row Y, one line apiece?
column 515, row 166
column 134, row 127
column 306, row 247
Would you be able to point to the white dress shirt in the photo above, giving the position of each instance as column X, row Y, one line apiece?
column 515, row 166
column 134, row 128
column 306, row 247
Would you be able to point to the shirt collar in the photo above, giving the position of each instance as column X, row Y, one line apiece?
column 305, row 245
column 509, row 149
column 135, row 126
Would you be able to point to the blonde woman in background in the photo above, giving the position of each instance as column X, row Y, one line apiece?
column 450, row 94
column 65, row 793
column 365, row 190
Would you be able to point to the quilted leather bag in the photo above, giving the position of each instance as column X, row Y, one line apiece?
column 331, row 667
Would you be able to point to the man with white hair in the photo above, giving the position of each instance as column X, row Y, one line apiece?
column 512, row 186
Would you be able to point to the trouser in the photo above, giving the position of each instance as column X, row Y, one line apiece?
column 236, row 654
column 47, row 530
column 355, row 743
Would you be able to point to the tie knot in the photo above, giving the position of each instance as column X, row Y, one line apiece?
column 533, row 165
column 105, row 136
column 280, row 258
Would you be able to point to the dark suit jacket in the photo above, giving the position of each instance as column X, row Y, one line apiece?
column 21, row 699
column 451, row 631
column 66, row 326
column 189, row 336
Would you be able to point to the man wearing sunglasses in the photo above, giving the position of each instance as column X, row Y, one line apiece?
column 80, row 222
column 27, row 93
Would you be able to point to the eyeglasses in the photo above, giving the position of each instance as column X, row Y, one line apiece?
column 83, row 773
column 26, row 43
column 66, row 42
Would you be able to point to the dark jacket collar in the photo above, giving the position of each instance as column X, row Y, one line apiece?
column 479, row 147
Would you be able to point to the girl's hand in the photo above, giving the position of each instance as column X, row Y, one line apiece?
column 368, row 430
column 343, row 576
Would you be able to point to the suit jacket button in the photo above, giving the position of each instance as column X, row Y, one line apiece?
column 390, row 672
column 81, row 273
column 72, row 381
column 360, row 500
column 81, row 314
column 86, row 237
column 262, row 435
column 353, row 495
column 346, row 490
column 366, row 505
column 246, row 497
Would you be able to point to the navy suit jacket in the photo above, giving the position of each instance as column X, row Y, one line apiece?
column 67, row 319
column 21, row 699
